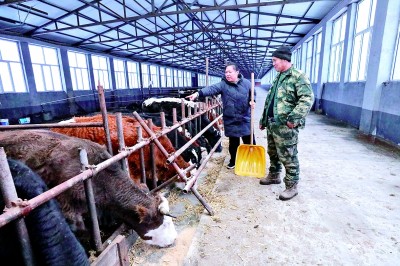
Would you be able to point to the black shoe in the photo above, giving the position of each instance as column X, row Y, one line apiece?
column 230, row 166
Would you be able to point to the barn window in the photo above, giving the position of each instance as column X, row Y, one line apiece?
column 317, row 55
column 154, row 76
column 186, row 74
column 309, row 51
column 335, row 61
column 362, row 39
column 214, row 79
column 79, row 70
column 210, row 80
column 119, row 70
column 396, row 58
column 46, row 68
column 101, row 71
column 180, row 78
column 188, row 79
column 296, row 58
column 163, row 77
column 133, row 74
column 145, row 75
column 168, row 72
column 176, row 80
column 12, row 78
column 201, row 79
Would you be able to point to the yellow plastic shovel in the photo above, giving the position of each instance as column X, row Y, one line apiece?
column 250, row 159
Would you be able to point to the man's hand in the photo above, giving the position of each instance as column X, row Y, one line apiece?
column 261, row 127
column 290, row 124
column 193, row 96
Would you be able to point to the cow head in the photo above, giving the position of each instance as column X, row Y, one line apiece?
column 156, row 226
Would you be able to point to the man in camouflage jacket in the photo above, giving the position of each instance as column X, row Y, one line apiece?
column 286, row 106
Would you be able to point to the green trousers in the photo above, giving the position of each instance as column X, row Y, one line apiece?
column 282, row 149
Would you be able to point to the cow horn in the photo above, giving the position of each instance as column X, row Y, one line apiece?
column 170, row 215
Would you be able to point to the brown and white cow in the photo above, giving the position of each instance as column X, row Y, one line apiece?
column 164, row 171
column 55, row 157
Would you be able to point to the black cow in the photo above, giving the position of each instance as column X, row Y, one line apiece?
column 53, row 242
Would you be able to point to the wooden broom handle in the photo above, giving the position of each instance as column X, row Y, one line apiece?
column 251, row 109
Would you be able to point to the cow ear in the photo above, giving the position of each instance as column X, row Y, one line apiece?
column 142, row 213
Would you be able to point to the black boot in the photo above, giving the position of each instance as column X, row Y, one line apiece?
column 289, row 192
column 271, row 179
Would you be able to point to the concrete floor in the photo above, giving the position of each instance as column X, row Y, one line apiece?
column 347, row 211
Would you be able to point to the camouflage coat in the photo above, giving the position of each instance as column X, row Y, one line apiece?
column 293, row 98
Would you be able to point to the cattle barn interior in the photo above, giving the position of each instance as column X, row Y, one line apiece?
column 98, row 139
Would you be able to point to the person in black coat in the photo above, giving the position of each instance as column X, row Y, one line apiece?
column 235, row 94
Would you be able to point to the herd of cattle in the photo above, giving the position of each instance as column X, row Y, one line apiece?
column 46, row 158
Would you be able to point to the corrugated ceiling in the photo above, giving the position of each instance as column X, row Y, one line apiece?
column 172, row 33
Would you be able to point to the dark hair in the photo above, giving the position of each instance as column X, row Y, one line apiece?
column 233, row 65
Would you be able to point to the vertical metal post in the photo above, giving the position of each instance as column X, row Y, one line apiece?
column 183, row 116
column 252, row 111
column 141, row 154
column 202, row 201
column 162, row 118
column 152, row 157
column 196, row 119
column 190, row 124
column 103, row 108
column 200, row 109
column 7, row 188
column 91, row 202
column 206, row 71
column 121, row 141
column 174, row 121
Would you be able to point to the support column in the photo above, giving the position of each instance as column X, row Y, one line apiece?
column 68, row 81
column 30, row 77
column 93, row 84
column 324, row 63
column 113, row 85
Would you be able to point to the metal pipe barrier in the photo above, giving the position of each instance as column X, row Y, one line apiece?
column 121, row 141
column 191, row 141
column 57, row 125
column 154, row 137
column 91, row 201
column 172, row 179
column 193, row 180
column 152, row 158
column 141, row 156
column 13, row 213
column 10, row 196
column 177, row 168
column 103, row 108
column 16, row 212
